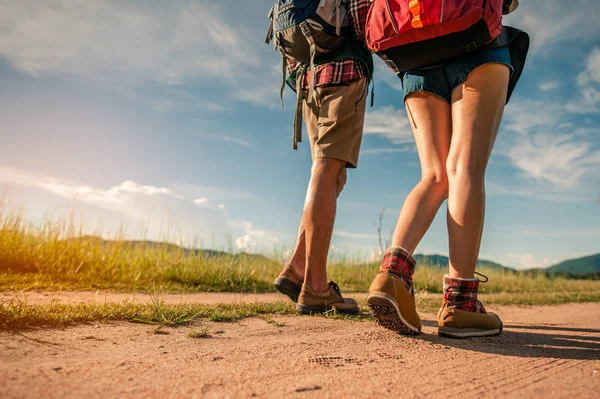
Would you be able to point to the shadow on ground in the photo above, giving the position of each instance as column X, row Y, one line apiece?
column 529, row 341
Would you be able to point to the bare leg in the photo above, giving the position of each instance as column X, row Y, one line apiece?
column 298, row 259
column 430, row 119
column 327, row 180
column 477, row 108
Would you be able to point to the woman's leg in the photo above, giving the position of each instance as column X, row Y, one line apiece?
column 430, row 119
column 477, row 108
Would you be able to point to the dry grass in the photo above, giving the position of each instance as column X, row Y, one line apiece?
column 56, row 256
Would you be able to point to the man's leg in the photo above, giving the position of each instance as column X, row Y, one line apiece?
column 335, row 136
column 327, row 180
column 298, row 260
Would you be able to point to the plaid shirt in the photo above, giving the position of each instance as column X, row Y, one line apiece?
column 346, row 70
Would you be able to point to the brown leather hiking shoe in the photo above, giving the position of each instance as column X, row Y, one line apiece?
column 310, row 301
column 289, row 282
column 456, row 323
column 462, row 315
column 393, row 305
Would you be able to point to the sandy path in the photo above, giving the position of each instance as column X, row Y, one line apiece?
column 547, row 352
column 213, row 298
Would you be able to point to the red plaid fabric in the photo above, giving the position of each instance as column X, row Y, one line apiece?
column 347, row 70
column 401, row 264
column 462, row 294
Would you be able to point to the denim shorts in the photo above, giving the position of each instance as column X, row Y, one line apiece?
column 441, row 80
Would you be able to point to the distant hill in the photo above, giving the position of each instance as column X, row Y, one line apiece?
column 210, row 253
column 588, row 265
column 442, row 262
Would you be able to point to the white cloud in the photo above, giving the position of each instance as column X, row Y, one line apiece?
column 549, row 86
column 156, row 213
column 256, row 240
column 114, row 195
column 543, row 191
column 546, row 148
column 200, row 201
column 524, row 115
column 589, row 86
column 131, row 47
column 557, row 159
column 529, row 261
column 354, row 235
column 178, row 41
column 550, row 22
column 592, row 70
column 390, row 123
column 236, row 141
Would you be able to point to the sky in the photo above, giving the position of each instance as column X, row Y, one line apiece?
column 161, row 120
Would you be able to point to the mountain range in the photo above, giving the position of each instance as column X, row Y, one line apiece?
column 581, row 267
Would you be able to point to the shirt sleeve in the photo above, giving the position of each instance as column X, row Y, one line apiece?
column 357, row 17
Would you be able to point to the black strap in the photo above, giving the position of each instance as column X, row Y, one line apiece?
column 297, row 138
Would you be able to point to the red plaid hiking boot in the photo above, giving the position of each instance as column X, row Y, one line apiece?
column 462, row 315
column 289, row 282
column 311, row 301
column 391, row 296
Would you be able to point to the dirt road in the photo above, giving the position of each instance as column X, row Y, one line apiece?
column 546, row 352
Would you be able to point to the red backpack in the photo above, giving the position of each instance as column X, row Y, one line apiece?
column 410, row 34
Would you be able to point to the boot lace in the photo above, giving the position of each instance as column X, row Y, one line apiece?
column 336, row 288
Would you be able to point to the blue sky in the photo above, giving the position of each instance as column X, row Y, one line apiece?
column 162, row 119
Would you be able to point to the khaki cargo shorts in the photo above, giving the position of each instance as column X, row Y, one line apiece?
column 335, row 120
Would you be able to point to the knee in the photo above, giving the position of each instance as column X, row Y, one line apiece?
column 466, row 168
column 436, row 181
column 341, row 180
column 327, row 169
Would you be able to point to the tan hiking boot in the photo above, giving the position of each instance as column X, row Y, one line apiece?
column 456, row 323
column 462, row 315
column 289, row 282
column 393, row 305
column 310, row 301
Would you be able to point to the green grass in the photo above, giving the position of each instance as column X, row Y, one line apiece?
column 16, row 314
column 202, row 333
column 57, row 256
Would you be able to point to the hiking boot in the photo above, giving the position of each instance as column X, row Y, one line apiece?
column 391, row 295
column 462, row 315
column 310, row 301
column 289, row 282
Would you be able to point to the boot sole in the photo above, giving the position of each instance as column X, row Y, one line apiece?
column 303, row 309
column 450, row 332
column 286, row 287
column 386, row 311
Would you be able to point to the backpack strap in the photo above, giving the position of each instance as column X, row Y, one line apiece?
column 338, row 17
column 313, row 50
column 297, row 138
column 284, row 75
column 372, row 92
column 270, row 32
column 273, row 18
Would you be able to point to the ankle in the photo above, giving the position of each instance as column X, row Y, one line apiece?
column 399, row 260
column 318, row 287
column 298, row 268
column 401, row 264
column 461, row 293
